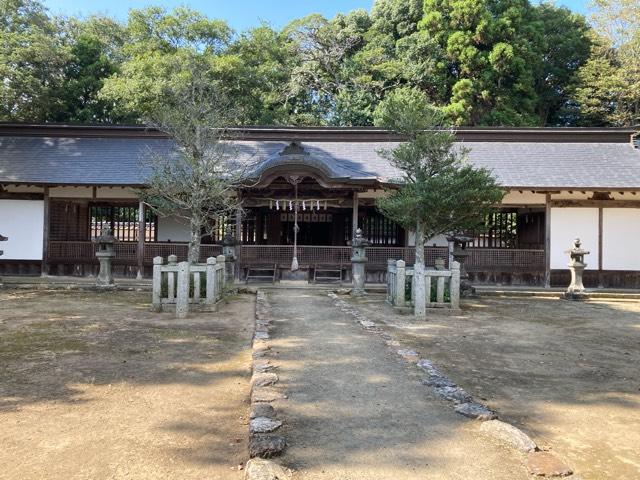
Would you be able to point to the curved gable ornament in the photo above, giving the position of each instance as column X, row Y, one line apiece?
column 294, row 161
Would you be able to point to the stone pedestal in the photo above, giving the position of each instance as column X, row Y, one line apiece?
column 460, row 255
column 105, row 255
column 358, row 261
column 229, row 251
column 576, row 290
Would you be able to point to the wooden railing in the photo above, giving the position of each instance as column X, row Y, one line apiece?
column 504, row 259
column 126, row 252
column 308, row 255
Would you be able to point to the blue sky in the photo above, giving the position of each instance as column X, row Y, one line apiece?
column 240, row 14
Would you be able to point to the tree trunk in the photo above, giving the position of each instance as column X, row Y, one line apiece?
column 420, row 293
column 194, row 242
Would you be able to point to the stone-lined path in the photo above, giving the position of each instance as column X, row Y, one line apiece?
column 355, row 410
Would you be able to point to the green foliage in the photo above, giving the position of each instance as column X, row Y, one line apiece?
column 481, row 62
column 439, row 192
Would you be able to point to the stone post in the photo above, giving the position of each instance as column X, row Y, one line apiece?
column 576, row 267
column 211, row 281
column 358, row 261
column 221, row 285
column 105, row 254
column 156, row 297
column 391, row 287
column 172, row 261
column 454, row 287
column 401, row 279
column 182, row 296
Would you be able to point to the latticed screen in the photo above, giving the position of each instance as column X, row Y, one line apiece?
column 123, row 221
column 512, row 229
column 378, row 229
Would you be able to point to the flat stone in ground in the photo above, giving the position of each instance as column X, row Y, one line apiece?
column 438, row 381
column 266, row 446
column 546, row 464
column 260, row 469
column 262, row 410
column 263, row 379
column 475, row 410
column 262, row 366
column 264, row 425
column 409, row 355
column 454, row 394
column 507, row 433
column 266, row 394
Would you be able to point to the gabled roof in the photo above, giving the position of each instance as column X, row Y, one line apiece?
column 525, row 158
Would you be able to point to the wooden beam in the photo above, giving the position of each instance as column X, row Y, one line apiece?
column 596, row 203
column 142, row 230
column 44, row 270
column 547, row 242
column 354, row 220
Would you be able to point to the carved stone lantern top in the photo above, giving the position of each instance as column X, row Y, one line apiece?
column 359, row 240
column 577, row 253
column 229, row 240
column 105, row 240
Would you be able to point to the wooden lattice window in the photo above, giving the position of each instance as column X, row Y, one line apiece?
column 378, row 229
column 123, row 221
column 512, row 229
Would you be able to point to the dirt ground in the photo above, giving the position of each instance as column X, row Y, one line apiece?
column 565, row 372
column 356, row 411
column 95, row 386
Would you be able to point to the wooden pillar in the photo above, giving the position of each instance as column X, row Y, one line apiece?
column 600, row 245
column 142, row 230
column 547, row 241
column 44, row 269
column 354, row 221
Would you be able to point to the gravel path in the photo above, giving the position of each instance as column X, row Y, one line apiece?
column 357, row 411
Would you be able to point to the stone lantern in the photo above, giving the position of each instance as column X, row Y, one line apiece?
column 460, row 254
column 358, row 260
column 576, row 267
column 3, row 239
column 229, row 244
column 105, row 254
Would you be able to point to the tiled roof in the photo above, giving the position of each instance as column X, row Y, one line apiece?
column 125, row 160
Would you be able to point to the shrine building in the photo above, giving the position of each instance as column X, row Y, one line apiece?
column 61, row 185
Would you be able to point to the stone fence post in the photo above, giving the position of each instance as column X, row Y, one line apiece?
column 211, row 281
column 221, row 259
column 401, row 275
column 156, row 299
column 454, row 287
column 182, row 296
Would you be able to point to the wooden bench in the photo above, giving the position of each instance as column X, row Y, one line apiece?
column 328, row 273
column 263, row 272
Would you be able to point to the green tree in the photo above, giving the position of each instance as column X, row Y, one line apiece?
column 607, row 88
column 159, row 53
column 489, row 51
column 33, row 53
column 439, row 192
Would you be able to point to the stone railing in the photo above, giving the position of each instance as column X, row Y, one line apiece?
column 445, row 283
column 179, row 284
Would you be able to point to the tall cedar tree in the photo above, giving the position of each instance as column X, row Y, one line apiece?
column 439, row 193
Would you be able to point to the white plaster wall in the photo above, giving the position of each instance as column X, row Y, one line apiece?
column 568, row 224
column 620, row 234
column 514, row 197
column 22, row 221
column 71, row 192
column 172, row 229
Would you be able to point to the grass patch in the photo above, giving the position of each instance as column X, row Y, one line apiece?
column 27, row 342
